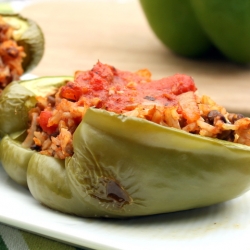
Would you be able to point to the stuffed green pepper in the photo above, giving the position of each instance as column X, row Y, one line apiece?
column 21, row 47
column 111, row 143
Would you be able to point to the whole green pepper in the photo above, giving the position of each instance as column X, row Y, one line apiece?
column 27, row 34
column 123, row 166
column 193, row 28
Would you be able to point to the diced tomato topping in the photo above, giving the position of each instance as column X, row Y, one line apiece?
column 118, row 91
column 43, row 122
column 182, row 83
column 71, row 91
column 121, row 90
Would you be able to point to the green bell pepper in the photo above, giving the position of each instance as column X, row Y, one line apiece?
column 15, row 158
column 15, row 102
column 194, row 28
column 19, row 97
column 122, row 166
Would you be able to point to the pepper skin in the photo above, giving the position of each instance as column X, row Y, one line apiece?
column 194, row 28
column 19, row 97
column 16, row 158
column 125, row 166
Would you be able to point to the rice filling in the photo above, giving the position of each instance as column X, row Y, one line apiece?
column 171, row 102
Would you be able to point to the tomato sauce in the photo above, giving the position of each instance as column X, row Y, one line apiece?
column 109, row 88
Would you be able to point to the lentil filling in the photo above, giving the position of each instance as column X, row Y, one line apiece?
column 170, row 102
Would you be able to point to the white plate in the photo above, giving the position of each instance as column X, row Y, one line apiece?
column 28, row 76
column 225, row 225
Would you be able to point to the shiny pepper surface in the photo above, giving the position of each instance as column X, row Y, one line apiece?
column 194, row 28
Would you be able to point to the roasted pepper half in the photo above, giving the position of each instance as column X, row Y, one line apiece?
column 21, row 47
column 122, row 165
column 193, row 28
column 15, row 102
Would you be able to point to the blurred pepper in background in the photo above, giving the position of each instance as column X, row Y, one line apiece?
column 195, row 28
column 21, row 47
